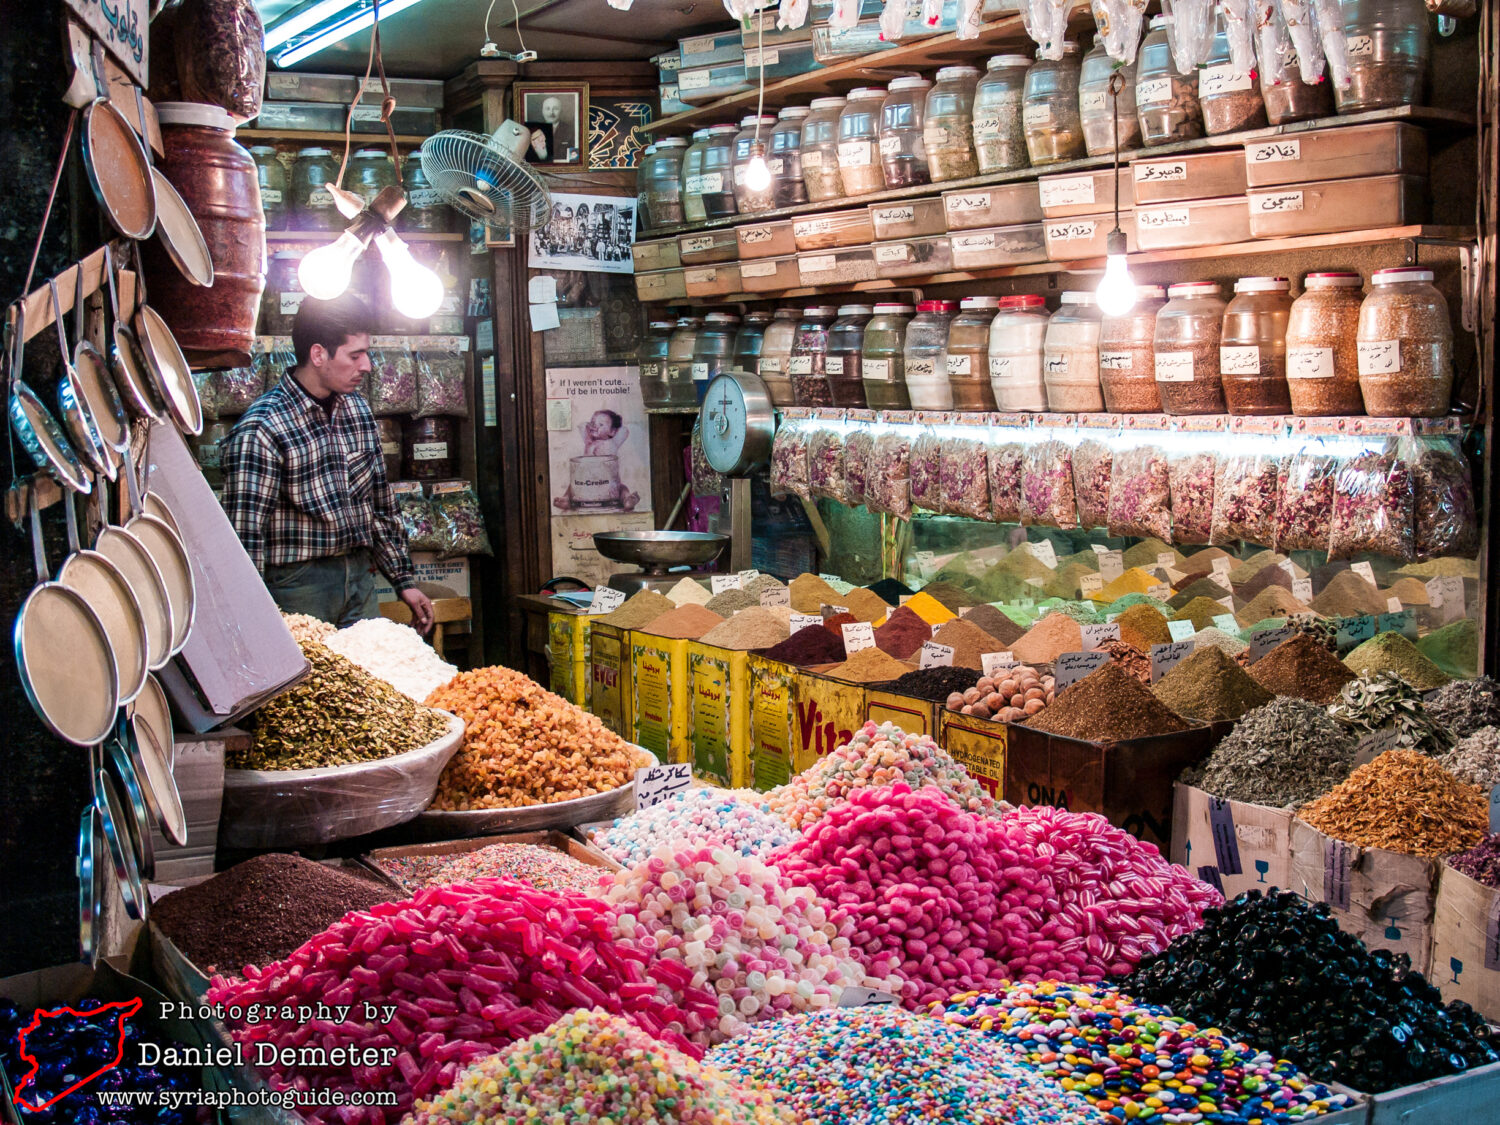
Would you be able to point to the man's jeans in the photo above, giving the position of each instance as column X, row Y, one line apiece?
column 339, row 590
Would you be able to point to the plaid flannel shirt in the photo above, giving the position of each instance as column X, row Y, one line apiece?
column 300, row 484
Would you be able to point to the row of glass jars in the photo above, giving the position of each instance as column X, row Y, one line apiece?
column 298, row 199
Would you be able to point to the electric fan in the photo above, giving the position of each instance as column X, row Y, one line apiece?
column 487, row 178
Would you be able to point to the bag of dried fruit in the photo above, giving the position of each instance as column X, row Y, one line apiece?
column 927, row 465
column 789, row 457
column 1374, row 500
column 825, row 460
column 1047, row 498
column 888, row 485
column 1140, row 489
column 441, row 385
column 1246, row 486
column 1446, row 522
column 965, row 470
column 1004, row 457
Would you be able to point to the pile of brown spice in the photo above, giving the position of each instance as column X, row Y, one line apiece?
column 1048, row 639
column 1142, row 626
column 1303, row 668
column 1201, row 611
column 1349, row 595
column 689, row 621
column 865, row 605
column 953, row 596
column 1405, row 802
column 751, row 628
column 1108, row 705
column 1272, row 601
column 1130, row 659
column 902, row 634
column 809, row 594
column 996, row 624
column 1210, row 687
column 638, row 610
column 869, row 666
column 968, row 641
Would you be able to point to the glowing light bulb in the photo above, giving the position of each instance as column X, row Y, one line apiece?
column 757, row 172
column 324, row 273
column 415, row 290
column 1116, row 293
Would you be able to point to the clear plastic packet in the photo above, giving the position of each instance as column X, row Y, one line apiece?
column 1239, row 29
column 417, row 516
column 460, row 523
column 1119, row 23
column 1445, row 515
column 1190, row 31
column 1047, row 498
column 237, row 388
column 927, row 469
column 1246, row 486
column 393, row 382
column 888, row 487
column 845, row 14
column 789, row 458
column 1140, row 493
column 932, row 12
column 892, row 20
column 1373, row 506
column 272, row 363
column 1304, row 505
column 969, row 18
column 859, row 451
column 826, row 478
column 441, row 385
column 1005, row 459
column 792, row 13
column 1046, row 22
column 1302, row 26
column 1330, row 21
column 965, row 471
column 1093, row 460
column 706, row 480
column 1192, row 467
column 1274, row 53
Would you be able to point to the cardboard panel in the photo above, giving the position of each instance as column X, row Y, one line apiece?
column 979, row 745
column 1247, row 847
column 914, row 716
column 718, row 713
column 771, row 740
column 825, row 714
column 609, row 677
column 1466, row 942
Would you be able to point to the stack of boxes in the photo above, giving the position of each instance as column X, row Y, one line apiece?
column 319, row 103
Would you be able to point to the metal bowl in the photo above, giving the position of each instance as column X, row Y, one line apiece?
column 661, row 549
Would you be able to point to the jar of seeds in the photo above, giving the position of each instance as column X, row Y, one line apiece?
column 1186, row 346
column 1054, row 130
column 1166, row 102
column 999, row 133
column 1322, row 353
column 1405, row 343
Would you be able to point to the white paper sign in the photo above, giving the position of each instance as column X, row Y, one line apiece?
column 1095, row 634
column 1364, row 570
column 1223, row 566
column 1309, row 363
column 1447, row 594
column 1166, row 657
column 1393, row 605
column 654, row 784
column 1161, row 591
column 722, row 582
column 800, row 621
column 861, row 997
column 1174, row 367
column 1074, row 666
column 858, row 635
column 1273, row 152
column 1112, row 565
column 1302, row 589
column 1166, row 559
column 1066, row 191
column 1379, row 357
column 1164, row 171
column 992, row 662
column 1181, row 630
column 935, row 655
column 777, row 595
column 1045, row 553
column 1243, row 360
column 606, row 600
column 1278, row 203
column 1090, row 584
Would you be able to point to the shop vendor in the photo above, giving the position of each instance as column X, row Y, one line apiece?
column 304, row 480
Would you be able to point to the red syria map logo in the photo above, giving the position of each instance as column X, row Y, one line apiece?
column 123, row 1010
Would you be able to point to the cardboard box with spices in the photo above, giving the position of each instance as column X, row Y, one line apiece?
column 1248, row 847
column 609, row 676
column 1466, row 942
column 568, row 642
column 770, row 719
column 979, row 745
column 658, row 699
column 718, row 713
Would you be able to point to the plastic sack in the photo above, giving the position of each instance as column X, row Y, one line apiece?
column 237, row 388
column 441, row 384
column 1047, row 498
column 845, row 14
column 739, row 9
column 1190, row 32
column 1004, row 465
column 1119, row 23
column 892, row 20
column 791, row 14
column 459, row 522
column 1140, row 493
column 1046, row 21
column 1246, row 486
column 1330, row 20
column 393, row 382
column 826, row 478
column 1093, row 460
column 1192, row 466
column 1445, row 517
column 1302, row 26
column 789, row 459
column 416, row 515
column 706, row 480
column 1373, row 507
column 969, row 18
column 965, row 473
column 932, row 12
column 888, row 486
column 859, row 451
column 1239, row 30
column 1304, row 505
column 208, row 396
column 927, row 469
column 1274, row 52
column 220, row 54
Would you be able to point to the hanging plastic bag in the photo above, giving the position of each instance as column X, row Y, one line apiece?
column 1119, row 23
column 1302, row 26
column 1239, row 29
column 1093, row 461
column 707, row 481
column 1192, row 466
column 393, row 382
column 1046, row 22
column 741, row 9
column 1274, row 52
column 927, row 469
column 1304, row 505
column 1245, row 492
column 1330, row 19
column 789, row 459
column 826, row 478
column 441, row 384
column 459, row 522
column 845, row 15
column 1373, row 507
column 417, row 516
column 1004, row 461
column 792, row 14
column 969, row 17
column 932, row 12
column 888, row 487
column 1047, row 497
column 892, row 20
column 1140, row 493
column 1446, row 523
column 965, row 472
column 1190, row 32
column 859, row 451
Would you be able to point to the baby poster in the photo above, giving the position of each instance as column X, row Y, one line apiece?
column 597, row 440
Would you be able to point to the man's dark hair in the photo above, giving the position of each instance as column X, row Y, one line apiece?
column 329, row 323
column 614, row 419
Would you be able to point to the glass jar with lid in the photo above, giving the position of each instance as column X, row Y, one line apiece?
column 859, row 139
column 642, row 203
column 1070, row 355
column 999, row 130
column 748, row 339
column 283, row 294
column 312, row 203
column 1405, row 346
column 1054, row 129
column 883, row 357
column 1165, row 101
column 820, row 150
column 425, row 210
column 270, row 173
column 370, row 172
column 1230, row 100
column 903, row 159
column 692, row 178
column 1186, row 345
column 718, row 172
column 1322, row 353
column 968, row 358
column 846, row 344
column 651, row 358
column 1127, row 365
column 753, row 131
column 663, row 176
column 1388, row 51
column 776, row 355
column 1017, row 336
column 680, row 349
column 926, row 356
column 1292, row 99
column 713, row 350
column 784, row 157
column 1097, row 107
column 808, row 362
column 948, row 125
column 1252, row 349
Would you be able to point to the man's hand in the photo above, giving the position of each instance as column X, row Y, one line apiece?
column 421, row 609
column 539, row 143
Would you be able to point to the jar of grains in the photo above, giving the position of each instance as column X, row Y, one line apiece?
column 1186, row 345
column 1104, row 114
column 927, row 356
column 882, row 363
column 651, row 358
column 1054, row 129
column 903, row 159
column 1292, row 99
column 999, row 132
column 1322, row 352
column 1070, row 355
column 283, row 294
column 808, row 363
column 718, row 172
column 1230, row 99
column 642, row 201
column 1405, row 342
column 1127, row 365
column 1017, row 336
column 1165, row 101
column 680, row 349
column 784, row 157
column 692, row 178
column 969, row 354
column 425, row 210
column 275, row 199
column 748, row 340
column 370, row 173
column 312, row 203
column 846, row 344
column 948, row 125
column 820, row 150
column 713, row 351
column 753, row 130
column 663, row 172
column 1388, row 49
column 859, row 140
column 776, row 355
column 1252, row 349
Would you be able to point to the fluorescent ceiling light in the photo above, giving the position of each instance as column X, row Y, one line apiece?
column 357, row 18
column 303, row 19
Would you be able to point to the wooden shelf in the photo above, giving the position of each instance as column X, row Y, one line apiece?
column 330, row 235
column 315, row 136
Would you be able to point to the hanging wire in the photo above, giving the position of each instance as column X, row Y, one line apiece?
column 1116, row 84
column 375, row 62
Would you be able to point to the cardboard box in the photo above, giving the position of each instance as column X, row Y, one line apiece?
column 719, row 713
column 660, row 285
column 772, row 742
column 998, row 206
column 658, row 700
column 1236, row 846
column 1002, row 246
column 1082, row 193
column 1385, row 899
column 198, row 770
column 979, row 745
column 1470, row 1096
column 1330, row 206
column 1466, row 942
column 914, row 257
column 912, row 218
column 1203, row 222
column 609, row 677
column 655, row 254
column 712, row 281
column 568, row 642
column 766, row 240
column 825, row 714
column 912, row 715
column 1086, row 237
column 452, row 577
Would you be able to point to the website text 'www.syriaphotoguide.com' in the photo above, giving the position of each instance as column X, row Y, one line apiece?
column 223, row 1099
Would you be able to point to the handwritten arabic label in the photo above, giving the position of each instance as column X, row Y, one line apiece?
column 654, row 784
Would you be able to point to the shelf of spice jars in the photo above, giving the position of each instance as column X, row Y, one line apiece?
column 318, row 136
column 321, row 236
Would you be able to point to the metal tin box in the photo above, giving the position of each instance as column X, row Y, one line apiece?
column 912, row 219
column 1203, row 222
column 998, row 206
column 766, row 240
column 1205, row 175
column 1327, row 154
column 999, row 246
column 1329, row 206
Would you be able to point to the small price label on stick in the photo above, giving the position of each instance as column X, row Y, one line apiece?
column 778, row 595
column 1096, row 635
column 1354, row 630
column 722, row 582
column 1302, row 589
column 1364, row 570
column 1223, row 566
column 1161, row 591
column 747, row 576
column 1181, row 630
column 858, row 635
column 1371, row 746
column 935, row 655
column 1166, row 657
column 1166, row 560
column 1226, row 623
column 1447, row 595
column 1227, row 603
column 1090, row 584
column 992, row 662
column 654, row 784
column 860, row 997
column 1045, row 553
column 1403, row 622
column 1112, row 565
column 1074, row 666
column 606, row 600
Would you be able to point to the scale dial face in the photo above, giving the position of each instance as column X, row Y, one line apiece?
column 737, row 423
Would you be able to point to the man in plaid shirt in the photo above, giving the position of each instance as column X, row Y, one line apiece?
column 304, row 480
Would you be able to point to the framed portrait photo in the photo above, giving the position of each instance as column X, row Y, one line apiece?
column 558, row 116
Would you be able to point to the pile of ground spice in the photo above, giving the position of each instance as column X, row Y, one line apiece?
column 1205, row 588
column 809, row 594
column 1201, row 611
column 1454, row 648
column 1142, row 626
column 261, row 910
column 929, row 609
column 1267, row 576
column 1273, row 601
column 869, row 666
column 807, row 646
column 1349, row 595
column 1466, row 705
column 1303, row 668
column 835, row 623
column 902, row 634
column 1068, row 581
column 962, row 570
column 865, row 606
column 969, row 643
column 1048, row 639
column 748, row 629
column 638, row 610
column 688, row 621
column 1129, row 600
column 1217, row 638
column 1408, row 591
column 1481, row 862
column 1129, row 659
column 729, row 602
column 1476, row 759
column 950, row 596
column 689, row 591
column 1392, row 652
column 933, row 684
column 1146, row 551
column 760, row 584
column 890, row 591
column 1405, row 802
column 1000, row 586
column 1136, row 580
column 1107, row 705
column 996, row 624
column 1084, row 613
column 1285, row 753
column 1249, row 568
column 1210, row 687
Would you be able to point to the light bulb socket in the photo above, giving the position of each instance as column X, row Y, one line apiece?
column 1114, row 243
column 389, row 203
column 757, row 148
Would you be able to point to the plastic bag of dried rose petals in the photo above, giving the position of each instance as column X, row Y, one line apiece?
column 927, row 469
column 1304, row 505
column 825, row 462
column 888, row 485
column 1192, row 465
column 859, row 450
column 460, row 523
column 441, row 384
column 1246, row 486
column 417, row 516
column 1092, row 462
column 1374, row 500
column 1005, row 456
column 789, row 459
column 965, row 473
column 707, row 481
column 393, row 382
column 1047, row 498
column 1445, row 518
column 1140, row 493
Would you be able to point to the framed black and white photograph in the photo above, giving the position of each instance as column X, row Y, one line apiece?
column 557, row 115
column 590, row 233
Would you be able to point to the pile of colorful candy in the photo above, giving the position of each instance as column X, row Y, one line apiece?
column 885, row 1066
column 700, row 818
column 591, row 1066
column 463, row 970
column 876, row 757
column 1138, row 1061
column 543, row 867
column 763, row 945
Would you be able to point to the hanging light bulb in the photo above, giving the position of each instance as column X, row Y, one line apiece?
column 324, row 273
column 757, row 172
column 1116, row 293
column 415, row 290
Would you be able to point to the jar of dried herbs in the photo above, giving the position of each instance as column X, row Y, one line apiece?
column 882, row 357
column 968, row 357
column 692, row 178
column 859, row 141
column 1186, row 349
column 663, row 176
column 680, row 348
column 784, row 157
column 1230, row 98
column 1388, row 46
column 1070, row 355
column 808, row 361
column 1097, row 107
column 651, row 359
column 1322, row 353
column 846, row 353
column 820, row 150
column 903, row 158
column 999, row 132
column 1054, row 130
column 275, row 199
column 1165, row 101
column 754, row 130
column 748, row 341
column 948, row 125
column 718, row 172
column 1127, row 355
column 776, row 355
column 1405, row 343
column 1252, row 349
